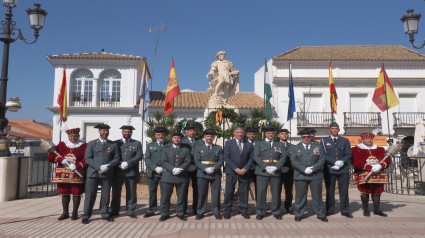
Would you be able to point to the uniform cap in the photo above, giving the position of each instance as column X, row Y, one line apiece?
column 127, row 127
column 102, row 126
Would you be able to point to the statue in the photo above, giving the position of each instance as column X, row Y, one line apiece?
column 224, row 80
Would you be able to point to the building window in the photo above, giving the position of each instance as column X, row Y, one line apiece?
column 407, row 103
column 358, row 103
column 82, row 93
column 110, row 88
column 313, row 103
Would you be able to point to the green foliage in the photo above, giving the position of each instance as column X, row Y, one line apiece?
column 258, row 115
column 159, row 119
column 231, row 119
column 199, row 127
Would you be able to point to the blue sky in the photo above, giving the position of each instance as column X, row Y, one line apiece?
column 247, row 30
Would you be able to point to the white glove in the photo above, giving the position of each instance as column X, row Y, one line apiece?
column 124, row 165
column 177, row 171
column 72, row 167
column 273, row 169
column 308, row 170
column 339, row 163
column 376, row 168
column 159, row 170
column 267, row 169
column 65, row 161
column 335, row 167
column 284, row 169
column 103, row 168
column 209, row 170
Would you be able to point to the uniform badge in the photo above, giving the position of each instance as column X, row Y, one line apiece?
column 134, row 147
column 316, row 151
column 328, row 144
column 277, row 149
column 109, row 149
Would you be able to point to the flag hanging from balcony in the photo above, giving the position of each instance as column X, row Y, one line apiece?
column 144, row 99
column 63, row 106
column 173, row 90
column 384, row 96
column 267, row 90
column 291, row 104
column 333, row 95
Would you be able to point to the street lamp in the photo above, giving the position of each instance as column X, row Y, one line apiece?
column 410, row 23
column 7, row 30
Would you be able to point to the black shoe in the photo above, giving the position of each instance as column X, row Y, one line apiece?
column 108, row 218
column 85, row 221
column 182, row 217
column 227, row 215
column 245, row 215
column 278, row 217
column 148, row 215
column 329, row 213
column 259, row 217
column 63, row 217
column 324, row 219
column 74, row 216
column 366, row 213
column 194, row 213
column 346, row 214
column 164, row 218
column 132, row 215
column 218, row 217
column 199, row 217
column 290, row 210
column 380, row 213
column 114, row 214
column 298, row 218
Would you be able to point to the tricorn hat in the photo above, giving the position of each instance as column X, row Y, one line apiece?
column 127, row 127
column 102, row 126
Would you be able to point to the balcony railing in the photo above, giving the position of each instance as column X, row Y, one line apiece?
column 362, row 119
column 86, row 100
column 314, row 119
column 406, row 119
column 81, row 100
column 109, row 101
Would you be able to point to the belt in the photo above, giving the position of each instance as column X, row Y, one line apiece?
column 270, row 161
column 208, row 162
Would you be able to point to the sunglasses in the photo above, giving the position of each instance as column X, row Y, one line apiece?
column 306, row 137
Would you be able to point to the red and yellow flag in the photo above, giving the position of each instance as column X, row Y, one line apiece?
column 63, row 110
column 332, row 89
column 384, row 96
column 173, row 90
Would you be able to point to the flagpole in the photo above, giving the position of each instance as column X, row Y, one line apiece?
column 289, row 88
column 264, row 84
column 386, row 101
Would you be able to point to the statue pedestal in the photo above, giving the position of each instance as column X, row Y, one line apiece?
column 218, row 102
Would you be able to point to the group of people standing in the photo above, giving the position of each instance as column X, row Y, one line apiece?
column 187, row 160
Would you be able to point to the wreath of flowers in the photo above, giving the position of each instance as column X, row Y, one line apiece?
column 223, row 123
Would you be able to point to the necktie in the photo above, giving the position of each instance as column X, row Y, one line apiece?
column 160, row 144
column 240, row 146
column 209, row 147
column 270, row 142
column 306, row 147
column 335, row 140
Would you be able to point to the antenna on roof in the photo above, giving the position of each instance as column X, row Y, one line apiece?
column 102, row 50
column 152, row 30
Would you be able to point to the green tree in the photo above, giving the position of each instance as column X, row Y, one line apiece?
column 159, row 119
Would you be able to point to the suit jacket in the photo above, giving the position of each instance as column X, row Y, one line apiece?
column 341, row 150
column 191, row 146
column 287, row 148
column 234, row 159
column 98, row 154
column 263, row 151
column 215, row 154
column 175, row 158
column 130, row 152
column 153, row 157
column 302, row 158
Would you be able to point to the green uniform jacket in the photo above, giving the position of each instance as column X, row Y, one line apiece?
column 175, row 158
column 262, row 151
column 191, row 146
column 215, row 154
column 131, row 152
column 98, row 154
column 153, row 156
column 302, row 158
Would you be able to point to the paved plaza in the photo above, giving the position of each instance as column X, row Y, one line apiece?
column 38, row 218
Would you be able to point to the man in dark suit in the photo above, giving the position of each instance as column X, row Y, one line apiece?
column 102, row 156
column 287, row 171
column 128, row 172
column 191, row 142
column 209, row 160
column 175, row 159
column 251, row 135
column 154, row 168
column 238, row 155
column 269, row 157
column 307, row 159
column 338, row 155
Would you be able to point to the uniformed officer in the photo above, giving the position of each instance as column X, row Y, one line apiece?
column 209, row 160
column 251, row 135
column 192, row 142
column 269, row 157
column 287, row 171
column 154, row 167
column 128, row 172
column 175, row 159
column 102, row 156
column 307, row 159
column 338, row 154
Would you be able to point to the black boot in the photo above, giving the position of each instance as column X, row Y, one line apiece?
column 365, row 203
column 76, row 203
column 376, row 202
column 65, row 206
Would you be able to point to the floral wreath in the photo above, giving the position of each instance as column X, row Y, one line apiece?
column 223, row 121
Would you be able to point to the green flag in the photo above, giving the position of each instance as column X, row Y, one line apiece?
column 267, row 90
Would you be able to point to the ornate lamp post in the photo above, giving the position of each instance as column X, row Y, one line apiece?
column 36, row 16
column 410, row 23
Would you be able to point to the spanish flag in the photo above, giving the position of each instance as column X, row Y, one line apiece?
column 332, row 89
column 173, row 90
column 63, row 110
column 384, row 96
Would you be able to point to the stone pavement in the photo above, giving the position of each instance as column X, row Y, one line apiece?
column 38, row 218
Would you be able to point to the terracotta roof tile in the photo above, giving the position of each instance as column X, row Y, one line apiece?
column 33, row 129
column 99, row 55
column 352, row 52
column 243, row 100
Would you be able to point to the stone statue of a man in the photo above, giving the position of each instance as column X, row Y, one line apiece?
column 224, row 78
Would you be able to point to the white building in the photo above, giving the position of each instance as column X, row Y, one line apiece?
column 355, row 72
